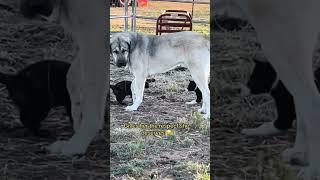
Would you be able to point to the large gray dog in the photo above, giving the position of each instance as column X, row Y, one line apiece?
column 148, row 54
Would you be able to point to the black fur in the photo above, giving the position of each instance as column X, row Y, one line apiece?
column 262, row 78
column 38, row 88
column 228, row 23
column 193, row 87
column 32, row 8
column 261, row 81
column 123, row 89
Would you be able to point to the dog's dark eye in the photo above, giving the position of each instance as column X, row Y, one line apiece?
column 116, row 51
column 123, row 50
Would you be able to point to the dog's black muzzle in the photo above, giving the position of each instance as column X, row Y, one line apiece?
column 121, row 62
column 33, row 8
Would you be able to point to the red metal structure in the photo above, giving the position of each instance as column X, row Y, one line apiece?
column 174, row 21
column 121, row 3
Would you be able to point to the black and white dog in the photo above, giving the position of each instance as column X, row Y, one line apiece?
column 38, row 88
column 192, row 86
column 264, row 80
column 123, row 89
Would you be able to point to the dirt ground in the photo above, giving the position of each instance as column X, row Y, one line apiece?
column 235, row 155
column 159, row 156
column 22, row 157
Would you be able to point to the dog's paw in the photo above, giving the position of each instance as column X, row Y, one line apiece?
column 191, row 102
column 131, row 108
column 66, row 148
column 309, row 173
column 294, row 156
column 56, row 147
column 263, row 130
column 202, row 110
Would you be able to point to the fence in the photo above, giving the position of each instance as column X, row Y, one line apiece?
column 134, row 15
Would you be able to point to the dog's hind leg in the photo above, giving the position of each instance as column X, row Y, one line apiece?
column 200, row 73
column 201, row 80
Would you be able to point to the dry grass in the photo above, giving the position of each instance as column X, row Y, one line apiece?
column 164, row 102
column 22, row 156
column 154, row 9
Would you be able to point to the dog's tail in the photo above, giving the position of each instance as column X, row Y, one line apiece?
column 6, row 78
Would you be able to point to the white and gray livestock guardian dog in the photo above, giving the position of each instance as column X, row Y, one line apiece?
column 149, row 54
column 288, row 30
column 86, row 79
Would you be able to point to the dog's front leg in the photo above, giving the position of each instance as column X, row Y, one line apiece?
column 137, row 94
column 133, row 91
column 74, row 90
column 88, row 28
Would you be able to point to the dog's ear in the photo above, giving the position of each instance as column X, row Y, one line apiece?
column 132, row 41
column 112, row 39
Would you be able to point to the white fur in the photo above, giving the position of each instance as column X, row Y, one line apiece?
column 86, row 79
column 263, row 130
column 192, row 102
column 187, row 49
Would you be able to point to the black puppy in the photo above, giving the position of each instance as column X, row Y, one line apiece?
column 264, row 80
column 38, row 88
column 193, row 87
column 123, row 89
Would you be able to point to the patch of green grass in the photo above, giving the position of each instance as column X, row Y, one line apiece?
column 200, row 123
column 187, row 142
column 126, row 151
column 172, row 87
column 134, row 168
column 200, row 171
column 124, row 135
